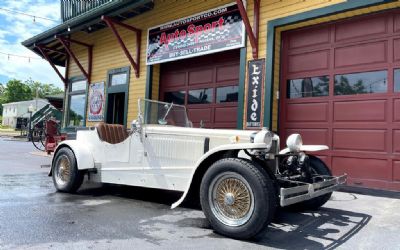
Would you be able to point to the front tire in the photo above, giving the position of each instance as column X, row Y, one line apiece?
column 237, row 197
column 319, row 168
column 66, row 176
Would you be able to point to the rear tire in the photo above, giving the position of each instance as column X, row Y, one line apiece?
column 66, row 176
column 238, row 198
column 313, row 204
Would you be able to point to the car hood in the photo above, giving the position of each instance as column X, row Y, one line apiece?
column 244, row 135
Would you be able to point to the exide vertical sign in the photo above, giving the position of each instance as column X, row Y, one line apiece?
column 205, row 33
column 254, row 91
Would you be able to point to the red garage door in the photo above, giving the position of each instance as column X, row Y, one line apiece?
column 340, row 86
column 208, row 86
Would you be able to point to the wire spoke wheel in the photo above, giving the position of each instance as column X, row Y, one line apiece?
column 231, row 199
column 65, row 173
column 63, row 170
column 38, row 138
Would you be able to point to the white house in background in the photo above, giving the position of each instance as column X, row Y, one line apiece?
column 13, row 110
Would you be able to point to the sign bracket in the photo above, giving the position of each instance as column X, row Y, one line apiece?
column 252, row 34
column 66, row 43
column 111, row 24
column 43, row 50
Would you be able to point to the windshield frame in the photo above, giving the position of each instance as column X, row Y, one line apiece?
column 143, row 112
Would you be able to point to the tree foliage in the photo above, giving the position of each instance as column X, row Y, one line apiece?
column 344, row 87
column 16, row 91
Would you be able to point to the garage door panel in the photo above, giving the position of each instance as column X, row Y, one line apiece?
column 199, row 114
column 225, row 125
column 305, row 38
column 396, row 50
column 396, row 110
column 367, row 53
column 396, row 170
column 204, row 85
column 174, row 79
column 228, row 73
column 363, row 140
column 311, row 136
column 360, row 117
column 200, row 76
column 307, row 112
column 396, row 141
column 367, row 111
column 396, row 25
column 309, row 61
column 225, row 114
column 361, row 28
column 362, row 168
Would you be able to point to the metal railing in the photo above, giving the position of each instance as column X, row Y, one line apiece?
column 74, row 8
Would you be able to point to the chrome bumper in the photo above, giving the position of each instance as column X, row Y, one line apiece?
column 305, row 191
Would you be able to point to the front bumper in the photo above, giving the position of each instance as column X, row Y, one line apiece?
column 305, row 191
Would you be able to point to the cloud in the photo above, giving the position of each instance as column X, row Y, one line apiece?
column 15, row 28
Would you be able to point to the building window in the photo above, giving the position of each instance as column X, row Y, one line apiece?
column 308, row 87
column 397, row 80
column 177, row 97
column 200, row 96
column 361, row 83
column 227, row 94
column 118, row 77
column 77, row 104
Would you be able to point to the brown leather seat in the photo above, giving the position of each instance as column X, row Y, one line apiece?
column 112, row 133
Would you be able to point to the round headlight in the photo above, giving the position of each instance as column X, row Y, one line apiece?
column 294, row 142
column 264, row 136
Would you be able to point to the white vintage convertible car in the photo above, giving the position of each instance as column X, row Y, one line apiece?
column 238, row 177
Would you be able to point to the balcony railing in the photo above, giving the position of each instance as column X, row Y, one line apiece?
column 74, row 8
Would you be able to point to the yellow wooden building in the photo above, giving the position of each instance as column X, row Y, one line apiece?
column 328, row 69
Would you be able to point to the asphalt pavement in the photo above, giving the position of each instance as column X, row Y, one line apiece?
column 34, row 216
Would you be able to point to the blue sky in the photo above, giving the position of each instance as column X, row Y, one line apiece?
column 15, row 28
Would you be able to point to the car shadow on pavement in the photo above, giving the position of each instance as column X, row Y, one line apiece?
column 326, row 228
column 160, row 196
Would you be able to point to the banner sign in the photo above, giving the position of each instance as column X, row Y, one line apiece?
column 204, row 33
column 96, row 102
column 254, row 92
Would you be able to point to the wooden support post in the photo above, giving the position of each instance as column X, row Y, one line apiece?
column 253, row 35
column 111, row 24
column 65, row 42
column 42, row 50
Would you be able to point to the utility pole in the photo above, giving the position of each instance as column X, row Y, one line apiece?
column 37, row 96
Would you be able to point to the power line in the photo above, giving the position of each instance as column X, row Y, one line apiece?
column 30, row 15
column 9, row 55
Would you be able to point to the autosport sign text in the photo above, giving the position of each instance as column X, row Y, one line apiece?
column 205, row 33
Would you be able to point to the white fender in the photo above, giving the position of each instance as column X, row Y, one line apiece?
column 84, row 157
column 237, row 146
column 308, row 148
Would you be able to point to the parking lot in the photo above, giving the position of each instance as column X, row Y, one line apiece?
column 34, row 216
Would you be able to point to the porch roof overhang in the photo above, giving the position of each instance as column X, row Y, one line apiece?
column 88, row 22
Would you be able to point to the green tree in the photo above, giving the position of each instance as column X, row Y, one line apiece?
column 42, row 90
column 16, row 91
column 344, row 87
column 2, row 89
